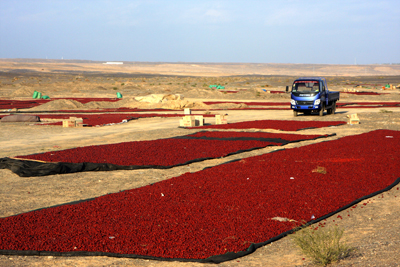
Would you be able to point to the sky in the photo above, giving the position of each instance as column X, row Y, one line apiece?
column 231, row 31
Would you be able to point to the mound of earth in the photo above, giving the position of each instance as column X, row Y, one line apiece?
column 100, row 104
column 59, row 104
column 181, row 104
column 171, row 104
column 23, row 92
column 228, row 106
column 202, row 93
column 159, row 98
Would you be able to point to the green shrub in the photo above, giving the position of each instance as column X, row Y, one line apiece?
column 322, row 244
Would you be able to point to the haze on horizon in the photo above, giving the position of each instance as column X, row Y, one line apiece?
column 253, row 31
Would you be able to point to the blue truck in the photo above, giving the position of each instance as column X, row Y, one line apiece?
column 311, row 95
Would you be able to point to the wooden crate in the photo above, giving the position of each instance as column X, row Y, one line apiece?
column 353, row 119
column 187, row 121
column 198, row 120
column 221, row 119
column 69, row 123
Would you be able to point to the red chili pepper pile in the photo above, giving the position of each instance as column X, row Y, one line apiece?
column 274, row 124
column 221, row 209
column 160, row 152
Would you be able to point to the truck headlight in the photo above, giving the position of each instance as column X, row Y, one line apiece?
column 317, row 102
column 292, row 102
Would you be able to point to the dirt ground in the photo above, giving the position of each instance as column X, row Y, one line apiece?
column 372, row 229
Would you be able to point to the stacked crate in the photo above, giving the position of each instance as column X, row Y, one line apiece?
column 187, row 121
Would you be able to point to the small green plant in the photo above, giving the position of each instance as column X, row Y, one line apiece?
column 322, row 244
column 385, row 111
column 122, row 84
column 258, row 94
column 115, row 88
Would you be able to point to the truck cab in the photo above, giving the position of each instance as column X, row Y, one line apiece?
column 311, row 95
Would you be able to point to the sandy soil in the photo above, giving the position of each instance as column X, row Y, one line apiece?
column 373, row 229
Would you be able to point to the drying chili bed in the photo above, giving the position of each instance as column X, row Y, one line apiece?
column 364, row 93
column 85, row 100
column 274, row 124
column 147, row 154
column 368, row 104
column 249, row 103
column 12, row 104
column 216, row 214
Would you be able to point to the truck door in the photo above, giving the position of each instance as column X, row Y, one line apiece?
column 324, row 92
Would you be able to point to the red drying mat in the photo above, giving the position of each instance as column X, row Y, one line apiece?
column 227, row 208
column 159, row 152
column 274, row 124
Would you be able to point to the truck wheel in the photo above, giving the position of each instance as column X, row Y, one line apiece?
column 294, row 113
column 334, row 107
column 329, row 111
column 321, row 112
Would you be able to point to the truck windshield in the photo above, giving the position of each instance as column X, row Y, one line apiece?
column 305, row 86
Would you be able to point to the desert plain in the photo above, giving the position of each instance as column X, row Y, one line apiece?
column 373, row 230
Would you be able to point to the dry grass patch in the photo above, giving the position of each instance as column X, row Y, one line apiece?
column 322, row 244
